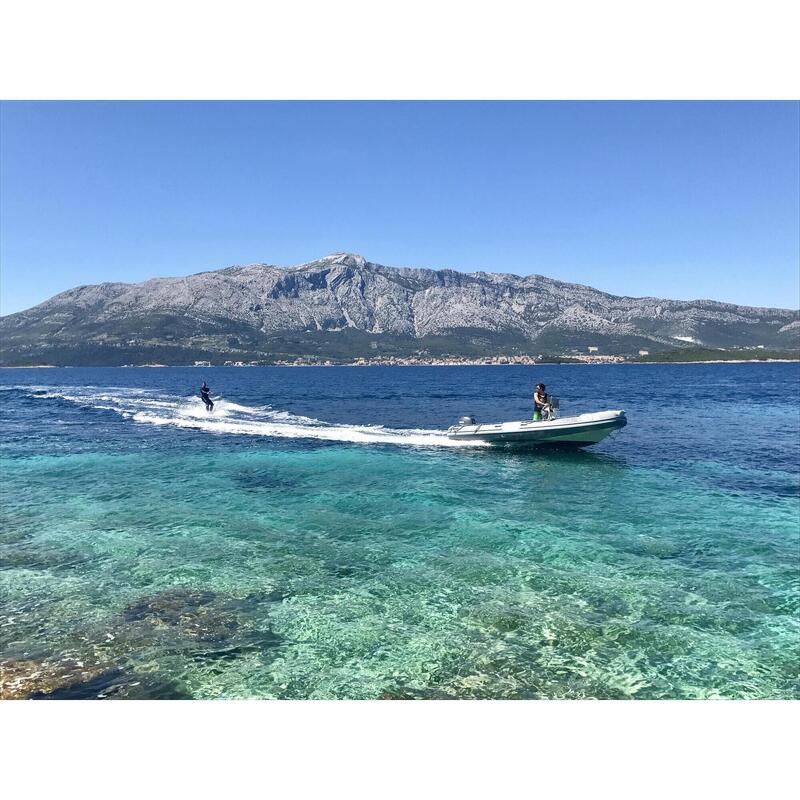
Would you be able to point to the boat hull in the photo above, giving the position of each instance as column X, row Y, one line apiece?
column 579, row 431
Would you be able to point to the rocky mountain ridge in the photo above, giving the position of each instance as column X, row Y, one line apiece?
column 343, row 306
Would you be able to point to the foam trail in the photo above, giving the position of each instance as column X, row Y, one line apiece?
column 236, row 419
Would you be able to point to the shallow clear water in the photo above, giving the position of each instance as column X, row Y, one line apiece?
column 319, row 537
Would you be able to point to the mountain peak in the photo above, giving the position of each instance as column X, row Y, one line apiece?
column 346, row 259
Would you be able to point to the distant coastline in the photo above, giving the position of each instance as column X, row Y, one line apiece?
column 684, row 355
column 426, row 363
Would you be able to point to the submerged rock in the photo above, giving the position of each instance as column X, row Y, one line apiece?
column 119, row 685
column 24, row 678
column 99, row 659
column 206, row 624
column 407, row 693
column 72, row 679
column 196, row 614
column 500, row 618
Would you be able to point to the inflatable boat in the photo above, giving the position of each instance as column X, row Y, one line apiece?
column 579, row 431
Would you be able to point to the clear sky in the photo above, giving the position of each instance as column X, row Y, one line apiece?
column 681, row 200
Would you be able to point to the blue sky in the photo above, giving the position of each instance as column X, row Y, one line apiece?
column 679, row 200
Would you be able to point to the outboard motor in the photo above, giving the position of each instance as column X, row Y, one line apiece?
column 466, row 420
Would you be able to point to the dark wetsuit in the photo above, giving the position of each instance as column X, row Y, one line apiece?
column 206, row 399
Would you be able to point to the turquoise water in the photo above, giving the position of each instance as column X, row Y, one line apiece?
column 319, row 537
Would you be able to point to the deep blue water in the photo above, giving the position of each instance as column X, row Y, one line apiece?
column 319, row 537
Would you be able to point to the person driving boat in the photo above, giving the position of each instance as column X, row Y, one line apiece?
column 541, row 401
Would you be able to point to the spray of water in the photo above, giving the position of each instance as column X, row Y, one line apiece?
column 235, row 419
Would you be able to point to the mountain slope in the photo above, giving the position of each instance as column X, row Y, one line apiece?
column 342, row 306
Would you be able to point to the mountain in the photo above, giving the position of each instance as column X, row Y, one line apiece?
column 342, row 306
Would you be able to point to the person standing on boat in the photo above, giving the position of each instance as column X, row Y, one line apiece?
column 205, row 393
column 540, row 401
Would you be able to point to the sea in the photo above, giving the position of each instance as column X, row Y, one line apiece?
column 318, row 536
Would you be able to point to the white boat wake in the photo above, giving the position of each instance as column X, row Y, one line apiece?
column 230, row 418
